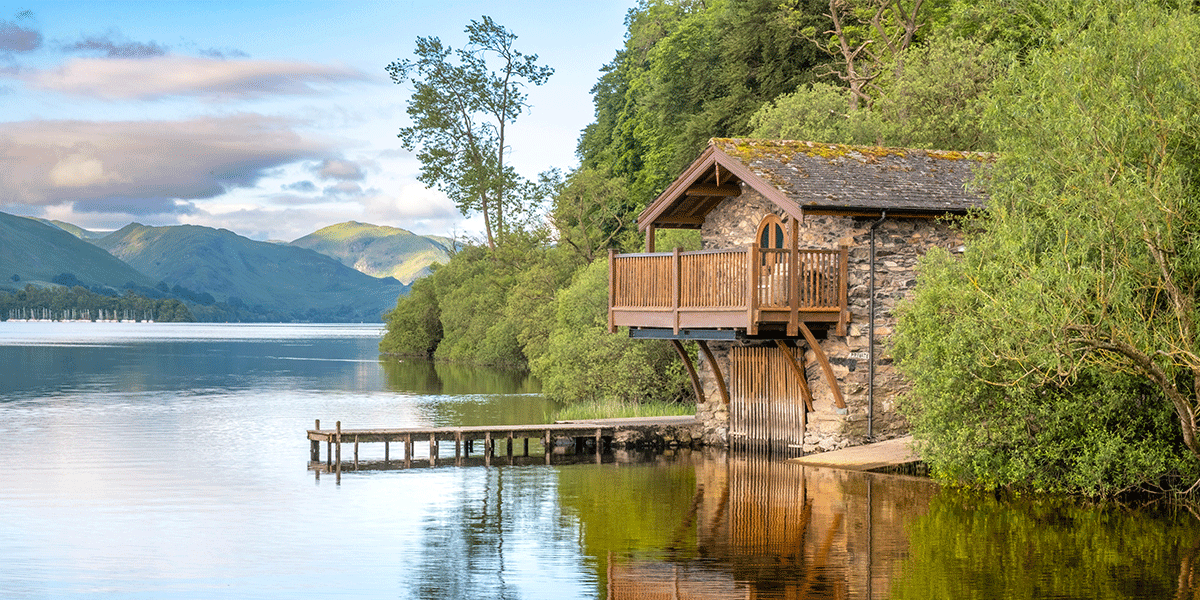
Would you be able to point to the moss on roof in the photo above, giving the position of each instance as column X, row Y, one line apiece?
column 749, row 150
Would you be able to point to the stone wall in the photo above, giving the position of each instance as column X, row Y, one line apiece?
column 899, row 243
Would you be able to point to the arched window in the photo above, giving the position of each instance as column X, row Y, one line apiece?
column 770, row 233
column 771, row 237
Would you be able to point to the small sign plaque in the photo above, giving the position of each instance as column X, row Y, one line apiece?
column 859, row 355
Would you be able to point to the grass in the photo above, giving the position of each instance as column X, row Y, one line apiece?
column 618, row 409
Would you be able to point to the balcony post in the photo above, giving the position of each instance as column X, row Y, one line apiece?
column 752, row 290
column 793, row 326
column 676, row 276
column 843, row 288
column 612, row 282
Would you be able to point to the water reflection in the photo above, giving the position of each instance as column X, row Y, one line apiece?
column 751, row 528
column 469, row 395
column 428, row 377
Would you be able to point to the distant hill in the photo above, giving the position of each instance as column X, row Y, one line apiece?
column 289, row 282
column 37, row 253
column 74, row 230
column 379, row 251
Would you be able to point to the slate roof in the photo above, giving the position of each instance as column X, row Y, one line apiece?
column 824, row 178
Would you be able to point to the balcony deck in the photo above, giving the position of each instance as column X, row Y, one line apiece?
column 743, row 289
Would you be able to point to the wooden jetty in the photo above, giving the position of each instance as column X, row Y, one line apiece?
column 868, row 457
column 595, row 434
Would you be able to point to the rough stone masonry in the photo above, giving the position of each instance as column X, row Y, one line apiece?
column 899, row 243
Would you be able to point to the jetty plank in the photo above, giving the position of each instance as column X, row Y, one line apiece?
column 593, row 429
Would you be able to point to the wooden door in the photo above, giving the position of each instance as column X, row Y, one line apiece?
column 766, row 410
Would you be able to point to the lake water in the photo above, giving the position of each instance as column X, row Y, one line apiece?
column 169, row 461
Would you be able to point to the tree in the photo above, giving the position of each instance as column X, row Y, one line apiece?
column 864, row 37
column 591, row 213
column 461, row 110
column 1076, row 299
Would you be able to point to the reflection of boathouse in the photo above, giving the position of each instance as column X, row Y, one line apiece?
column 802, row 244
column 779, row 530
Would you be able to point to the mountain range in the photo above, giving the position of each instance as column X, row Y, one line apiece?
column 347, row 272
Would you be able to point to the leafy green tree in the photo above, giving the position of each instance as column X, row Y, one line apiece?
column 592, row 213
column 461, row 109
column 1074, row 309
column 817, row 112
column 865, row 38
column 688, row 71
column 937, row 97
column 583, row 361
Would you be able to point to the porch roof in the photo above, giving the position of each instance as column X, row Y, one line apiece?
column 813, row 178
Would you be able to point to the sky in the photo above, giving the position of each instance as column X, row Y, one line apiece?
column 270, row 119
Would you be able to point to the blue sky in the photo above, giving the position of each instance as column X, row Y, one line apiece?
column 271, row 119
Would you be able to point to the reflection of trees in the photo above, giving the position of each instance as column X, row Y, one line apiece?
column 472, row 379
column 971, row 546
column 414, row 375
column 468, row 393
column 410, row 376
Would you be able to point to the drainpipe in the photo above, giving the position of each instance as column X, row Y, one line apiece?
column 871, row 336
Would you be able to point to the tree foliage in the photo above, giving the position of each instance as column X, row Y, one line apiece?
column 1058, row 350
column 461, row 110
column 78, row 302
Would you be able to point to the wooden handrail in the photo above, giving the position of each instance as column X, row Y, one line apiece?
column 749, row 279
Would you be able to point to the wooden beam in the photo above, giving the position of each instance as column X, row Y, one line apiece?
column 824, row 362
column 843, row 288
column 728, row 190
column 752, row 291
column 612, row 328
column 712, row 362
column 794, row 280
column 670, row 220
column 799, row 372
column 691, row 369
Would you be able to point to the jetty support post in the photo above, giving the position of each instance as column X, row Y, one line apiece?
column 314, row 447
column 338, row 435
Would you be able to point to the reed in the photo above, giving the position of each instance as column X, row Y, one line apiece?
column 622, row 409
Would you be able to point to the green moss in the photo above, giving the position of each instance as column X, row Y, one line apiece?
column 750, row 150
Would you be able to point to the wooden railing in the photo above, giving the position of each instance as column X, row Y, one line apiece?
column 738, row 287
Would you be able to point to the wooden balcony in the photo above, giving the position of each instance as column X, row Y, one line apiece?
column 750, row 289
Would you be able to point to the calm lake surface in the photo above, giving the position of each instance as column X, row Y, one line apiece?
column 169, row 461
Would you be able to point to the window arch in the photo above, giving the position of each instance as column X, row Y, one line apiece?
column 770, row 233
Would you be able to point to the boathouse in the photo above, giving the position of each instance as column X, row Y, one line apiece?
column 806, row 249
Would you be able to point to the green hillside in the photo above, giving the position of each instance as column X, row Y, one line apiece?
column 34, row 252
column 75, row 230
column 287, row 282
column 379, row 251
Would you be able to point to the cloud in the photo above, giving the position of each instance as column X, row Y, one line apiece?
column 143, row 166
column 172, row 75
column 306, row 187
column 223, row 53
column 14, row 38
column 108, row 46
column 344, row 188
column 336, row 168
